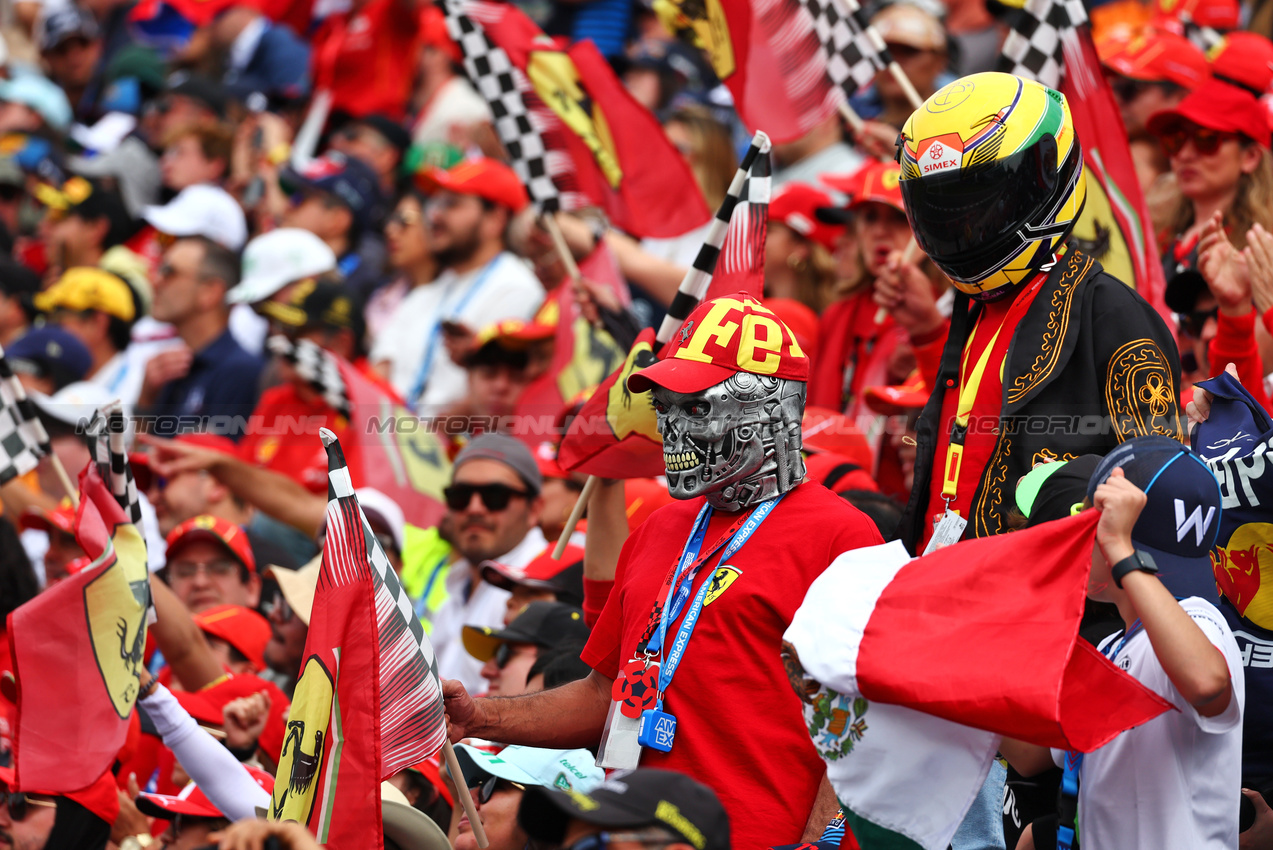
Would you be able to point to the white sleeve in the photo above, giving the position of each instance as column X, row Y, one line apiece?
column 219, row 775
column 1212, row 623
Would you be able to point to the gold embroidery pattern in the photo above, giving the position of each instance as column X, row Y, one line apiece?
column 987, row 514
column 1140, row 393
column 1049, row 456
column 1077, row 265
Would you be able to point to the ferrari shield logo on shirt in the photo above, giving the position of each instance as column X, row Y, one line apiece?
column 556, row 81
column 115, row 603
column 721, row 580
column 306, row 736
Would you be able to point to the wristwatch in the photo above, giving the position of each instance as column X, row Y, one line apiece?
column 137, row 842
column 1137, row 560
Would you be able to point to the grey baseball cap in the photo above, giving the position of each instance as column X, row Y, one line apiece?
column 509, row 451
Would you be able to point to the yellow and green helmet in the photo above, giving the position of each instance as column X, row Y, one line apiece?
column 992, row 176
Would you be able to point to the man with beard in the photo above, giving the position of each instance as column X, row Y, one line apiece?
column 493, row 505
column 687, row 645
column 467, row 215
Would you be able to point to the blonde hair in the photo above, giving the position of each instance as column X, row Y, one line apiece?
column 712, row 158
column 1172, row 212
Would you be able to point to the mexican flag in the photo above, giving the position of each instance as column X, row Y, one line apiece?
column 911, row 670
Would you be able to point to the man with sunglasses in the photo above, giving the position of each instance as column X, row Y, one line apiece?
column 498, row 783
column 493, row 505
column 32, row 820
column 509, row 653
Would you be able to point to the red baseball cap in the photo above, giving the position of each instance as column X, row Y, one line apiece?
column 642, row 497
column 911, row 394
column 1217, row 105
column 242, row 628
column 140, row 462
column 1245, row 58
column 192, row 802
column 723, row 337
column 796, row 205
column 825, row 430
column 61, row 518
column 800, row 318
column 207, row 527
column 876, row 182
column 433, row 33
column 101, row 797
column 542, row 573
column 1218, row 14
column 486, row 178
column 1158, row 56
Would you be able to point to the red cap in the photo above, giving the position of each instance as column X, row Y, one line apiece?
column 800, row 318
column 722, row 337
column 242, row 628
column 191, row 801
column 825, row 430
column 911, row 394
column 876, row 182
column 1157, row 56
column 514, row 333
column 101, row 798
column 1219, row 106
column 1218, row 14
column 486, row 178
column 207, row 527
column 1245, row 58
column 539, row 573
column 433, row 33
column 642, row 497
column 61, row 518
column 838, row 473
column 796, row 206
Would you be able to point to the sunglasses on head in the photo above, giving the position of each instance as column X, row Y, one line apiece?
column 18, row 802
column 495, row 497
column 492, row 784
column 1205, row 142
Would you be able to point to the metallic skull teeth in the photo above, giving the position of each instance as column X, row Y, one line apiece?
column 681, row 461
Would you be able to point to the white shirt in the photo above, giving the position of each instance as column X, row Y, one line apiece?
column 503, row 289
column 1174, row 783
column 485, row 606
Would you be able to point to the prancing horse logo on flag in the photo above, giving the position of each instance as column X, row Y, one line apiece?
column 556, row 81
column 702, row 24
column 115, row 603
column 301, row 761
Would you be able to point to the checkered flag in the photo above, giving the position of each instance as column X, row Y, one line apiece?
column 854, row 51
column 530, row 131
column 23, row 440
column 107, row 440
column 315, row 365
column 743, row 251
column 412, row 718
column 1034, row 46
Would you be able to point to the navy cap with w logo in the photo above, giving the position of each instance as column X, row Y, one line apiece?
column 1179, row 524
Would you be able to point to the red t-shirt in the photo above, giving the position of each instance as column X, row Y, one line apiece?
column 283, row 436
column 740, row 728
column 367, row 58
column 987, row 405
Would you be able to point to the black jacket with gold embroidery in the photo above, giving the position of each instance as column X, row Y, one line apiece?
column 1091, row 364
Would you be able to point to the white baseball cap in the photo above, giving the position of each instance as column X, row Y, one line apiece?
column 574, row 770
column 75, row 403
column 275, row 259
column 201, row 210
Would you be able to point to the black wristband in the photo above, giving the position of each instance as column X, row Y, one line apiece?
column 1137, row 561
column 243, row 753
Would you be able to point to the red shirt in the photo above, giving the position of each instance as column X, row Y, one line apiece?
column 987, row 406
column 367, row 57
column 740, row 728
column 852, row 352
column 283, row 436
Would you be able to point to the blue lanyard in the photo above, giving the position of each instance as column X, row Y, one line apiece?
column 1074, row 763
column 679, row 592
column 444, row 312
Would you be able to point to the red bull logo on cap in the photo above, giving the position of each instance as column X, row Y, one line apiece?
column 1244, row 571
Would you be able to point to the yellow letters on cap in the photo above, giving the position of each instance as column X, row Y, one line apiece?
column 761, row 333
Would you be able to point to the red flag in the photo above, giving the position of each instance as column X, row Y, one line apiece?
column 1114, row 227
column 329, row 772
column 741, row 267
column 623, row 162
column 616, row 434
column 767, row 53
column 394, row 451
column 77, row 652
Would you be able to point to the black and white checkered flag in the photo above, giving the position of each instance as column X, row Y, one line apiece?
column 23, row 440
column 743, row 251
column 1035, row 45
column 315, row 365
column 108, row 441
column 412, row 718
column 521, row 120
column 854, row 51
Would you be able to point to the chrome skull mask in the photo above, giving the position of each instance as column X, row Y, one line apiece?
column 737, row 442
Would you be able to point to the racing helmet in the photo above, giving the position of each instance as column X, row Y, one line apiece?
column 992, row 176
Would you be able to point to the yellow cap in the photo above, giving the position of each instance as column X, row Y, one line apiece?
column 87, row 288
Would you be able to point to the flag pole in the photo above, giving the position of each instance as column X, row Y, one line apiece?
column 65, row 479
column 905, row 82
column 549, row 221
column 694, row 286
column 850, row 116
column 463, row 795
column 909, row 254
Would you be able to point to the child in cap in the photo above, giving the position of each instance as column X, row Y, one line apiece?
column 1174, row 782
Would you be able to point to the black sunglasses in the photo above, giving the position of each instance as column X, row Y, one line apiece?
column 494, row 496
column 1206, row 142
column 1194, row 322
column 17, row 803
column 492, row 784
